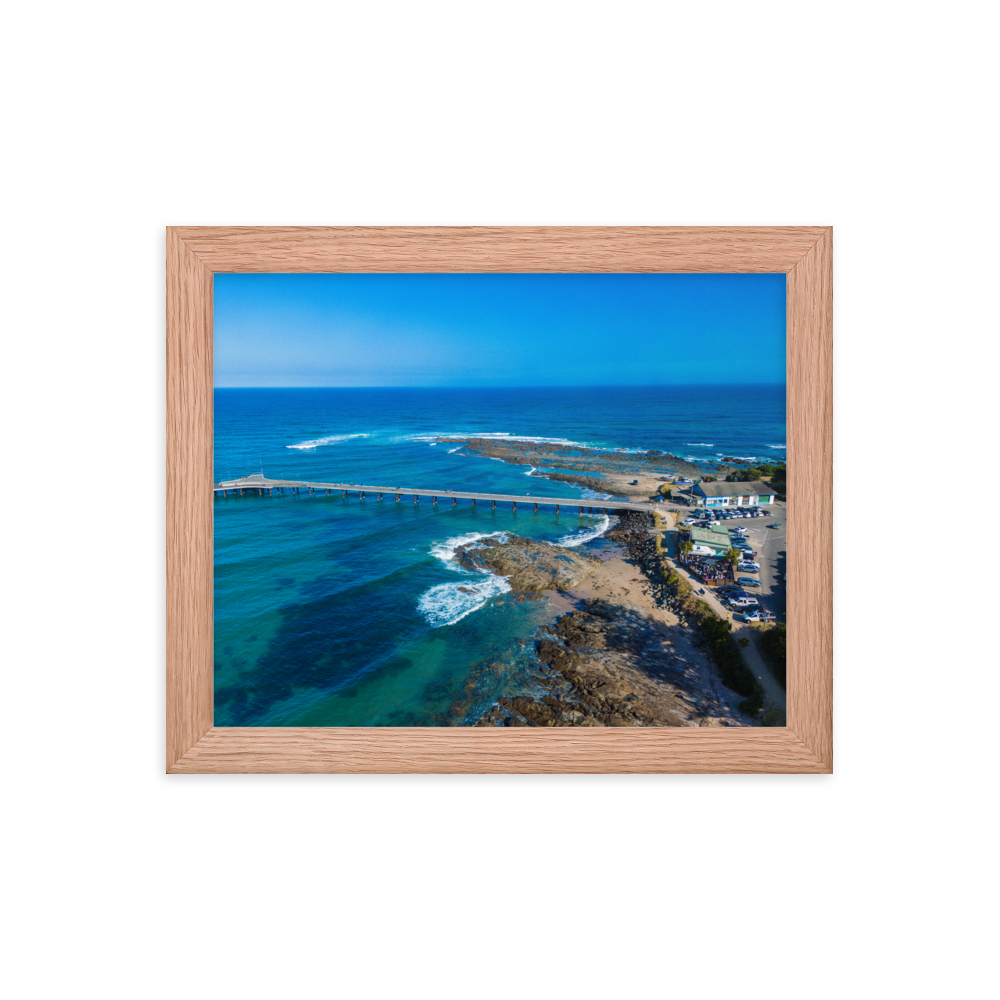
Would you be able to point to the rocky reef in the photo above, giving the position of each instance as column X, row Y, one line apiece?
column 529, row 566
column 607, row 665
column 577, row 457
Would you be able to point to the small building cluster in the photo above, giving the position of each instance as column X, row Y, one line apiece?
column 712, row 541
column 732, row 494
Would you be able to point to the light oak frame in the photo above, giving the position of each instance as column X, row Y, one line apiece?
column 195, row 253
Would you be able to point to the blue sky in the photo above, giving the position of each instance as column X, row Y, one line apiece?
column 498, row 329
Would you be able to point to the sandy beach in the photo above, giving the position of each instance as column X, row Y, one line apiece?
column 630, row 646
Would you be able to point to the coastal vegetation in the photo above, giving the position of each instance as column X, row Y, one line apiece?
column 772, row 643
column 735, row 674
column 777, row 475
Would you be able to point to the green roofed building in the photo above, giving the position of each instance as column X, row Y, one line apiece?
column 712, row 541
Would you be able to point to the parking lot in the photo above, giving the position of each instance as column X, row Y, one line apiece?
column 770, row 551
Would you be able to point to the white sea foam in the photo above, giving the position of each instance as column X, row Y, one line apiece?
column 433, row 444
column 586, row 534
column 500, row 436
column 451, row 451
column 531, row 471
column 594, row 495
column 445, row 551
column 320, row 442
column 448, row 603
column 698, row 444
column 780, row 447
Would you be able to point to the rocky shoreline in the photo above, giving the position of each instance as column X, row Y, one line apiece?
column 530, row 567
column 606, row 662
column 580, row 458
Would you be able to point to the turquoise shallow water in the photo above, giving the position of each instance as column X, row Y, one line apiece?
column 351, row 613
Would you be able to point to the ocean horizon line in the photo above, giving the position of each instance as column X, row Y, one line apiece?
column 479, row 387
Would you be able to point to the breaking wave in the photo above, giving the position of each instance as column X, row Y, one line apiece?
column 445, row 551
column 448, row 603
column 586, row 534
column 780, row 447
column 587, row 494
column 319, row 442
column 502, row 436
column 698, row 444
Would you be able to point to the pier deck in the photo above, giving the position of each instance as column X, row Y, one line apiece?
column 261, row 484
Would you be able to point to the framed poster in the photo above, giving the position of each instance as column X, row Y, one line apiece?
column 194, row 254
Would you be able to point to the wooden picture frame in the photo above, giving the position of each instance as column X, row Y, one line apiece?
column 195, row 253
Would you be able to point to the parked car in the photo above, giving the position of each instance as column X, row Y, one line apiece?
column 752, row 616
column 748, row 581
column 749, row 567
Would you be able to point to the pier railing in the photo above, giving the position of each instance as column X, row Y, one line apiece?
column 262, row 485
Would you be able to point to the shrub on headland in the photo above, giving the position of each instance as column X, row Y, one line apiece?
column 772, row 644
column 734, row 672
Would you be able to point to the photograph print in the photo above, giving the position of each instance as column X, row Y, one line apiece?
column 499, row 499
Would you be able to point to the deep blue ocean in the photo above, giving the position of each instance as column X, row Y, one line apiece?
column 351, row 613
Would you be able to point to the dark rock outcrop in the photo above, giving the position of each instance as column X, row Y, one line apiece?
column 529, row 566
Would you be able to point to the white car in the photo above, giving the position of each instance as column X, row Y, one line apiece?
column 749, row 567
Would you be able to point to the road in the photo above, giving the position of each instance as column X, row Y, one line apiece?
column 770, row 547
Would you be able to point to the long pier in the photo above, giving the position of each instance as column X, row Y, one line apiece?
column 261, row 485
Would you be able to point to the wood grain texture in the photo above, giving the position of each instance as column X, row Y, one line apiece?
column 809, row 305
column 195, row 253
column 499, row 751
column 494, row 248
column 189, row 499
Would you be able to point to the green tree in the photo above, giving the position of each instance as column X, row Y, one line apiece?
column 686, row 546
column 773, row 643
column 732, row 557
